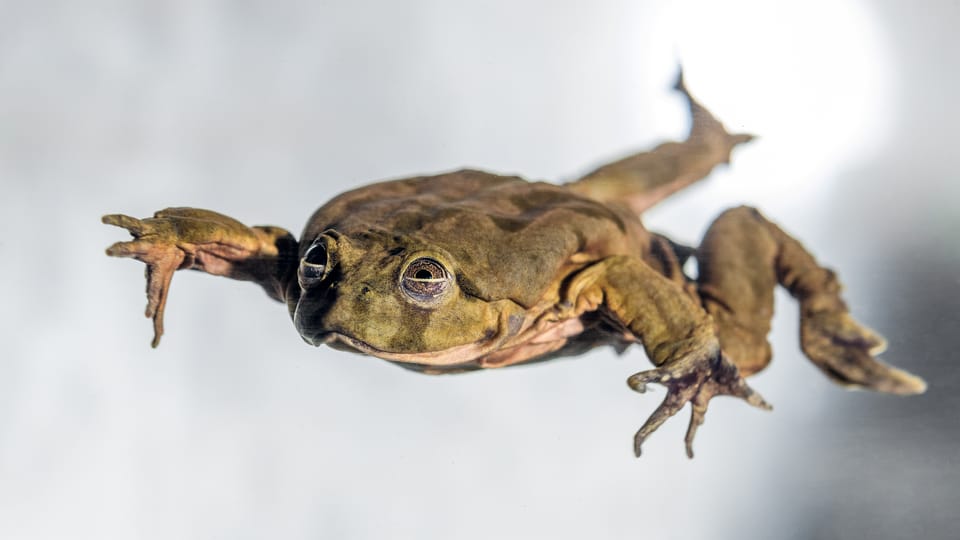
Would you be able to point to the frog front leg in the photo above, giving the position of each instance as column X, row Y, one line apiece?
column 677, row 334
column 191, row 238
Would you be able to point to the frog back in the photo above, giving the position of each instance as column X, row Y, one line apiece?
column 508, row 238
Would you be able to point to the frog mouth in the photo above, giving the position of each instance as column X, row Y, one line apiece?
column 339, row 341
column 446, row 357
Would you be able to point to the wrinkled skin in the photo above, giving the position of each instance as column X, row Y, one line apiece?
column 469, row 270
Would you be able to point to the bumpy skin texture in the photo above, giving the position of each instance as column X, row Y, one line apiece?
column 470, row 270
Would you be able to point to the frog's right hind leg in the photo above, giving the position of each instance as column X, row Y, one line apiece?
column 644, row 179
column 742, row 258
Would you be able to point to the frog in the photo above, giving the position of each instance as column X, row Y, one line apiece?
column 468, row 270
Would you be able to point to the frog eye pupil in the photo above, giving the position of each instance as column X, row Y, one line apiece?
column 312, row 272
column 313, row 266
column 425, row 280
column 317, row 255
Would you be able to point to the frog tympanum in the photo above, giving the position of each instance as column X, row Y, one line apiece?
column 468, row 270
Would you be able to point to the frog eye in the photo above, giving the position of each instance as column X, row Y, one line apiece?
column 425, row 280
column 313, row 265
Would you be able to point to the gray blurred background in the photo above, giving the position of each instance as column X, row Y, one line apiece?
column 234, row 428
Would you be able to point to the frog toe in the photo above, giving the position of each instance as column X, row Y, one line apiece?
column 845, row 351
column 676, row 398
column 132, row 224
column 697, row 386
column 726, row 382
column 638, row 381
column 698, row 413
column 854, row 367
column 162, row 260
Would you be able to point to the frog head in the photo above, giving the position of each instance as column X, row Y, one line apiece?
column 441, row 270
column 396, row 297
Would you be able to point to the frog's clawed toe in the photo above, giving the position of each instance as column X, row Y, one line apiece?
column 844, row 350
column 132, row 224
column 697, row 387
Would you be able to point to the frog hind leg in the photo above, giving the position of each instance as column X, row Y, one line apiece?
column 643, row 179
column 742, row 258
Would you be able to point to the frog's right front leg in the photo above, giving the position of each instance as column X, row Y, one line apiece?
column 191, row 238
column 677, row 334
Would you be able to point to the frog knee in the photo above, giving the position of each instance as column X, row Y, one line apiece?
column 741, row 213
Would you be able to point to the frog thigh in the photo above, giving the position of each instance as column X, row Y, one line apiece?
column 736, row 282
column 742, row 258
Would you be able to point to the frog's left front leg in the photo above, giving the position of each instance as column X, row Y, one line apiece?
column 677, row 334
column 193, row 238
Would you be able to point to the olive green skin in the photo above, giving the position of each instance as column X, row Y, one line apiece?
column 509, row 244
column 468, row 270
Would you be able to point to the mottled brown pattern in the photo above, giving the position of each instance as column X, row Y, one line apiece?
column 527, row 271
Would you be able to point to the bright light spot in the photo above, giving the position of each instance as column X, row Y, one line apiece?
column 811, row 79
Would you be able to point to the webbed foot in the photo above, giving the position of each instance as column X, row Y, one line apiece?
column 844, row 350
column 696, row 382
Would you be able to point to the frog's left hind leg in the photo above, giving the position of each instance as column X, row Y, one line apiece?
column 644, row 179
column 742, row 258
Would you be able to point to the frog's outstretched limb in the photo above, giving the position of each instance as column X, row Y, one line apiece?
column 677, row 334
column 741, row 260
column 644, row 179
column 191, row 238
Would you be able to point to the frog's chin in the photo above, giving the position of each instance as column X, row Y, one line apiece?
column 446, row 357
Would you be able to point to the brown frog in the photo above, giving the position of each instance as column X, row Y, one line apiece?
column 470, row 270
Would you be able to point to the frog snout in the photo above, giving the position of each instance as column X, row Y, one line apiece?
column 318, row 338
column 312, row 313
